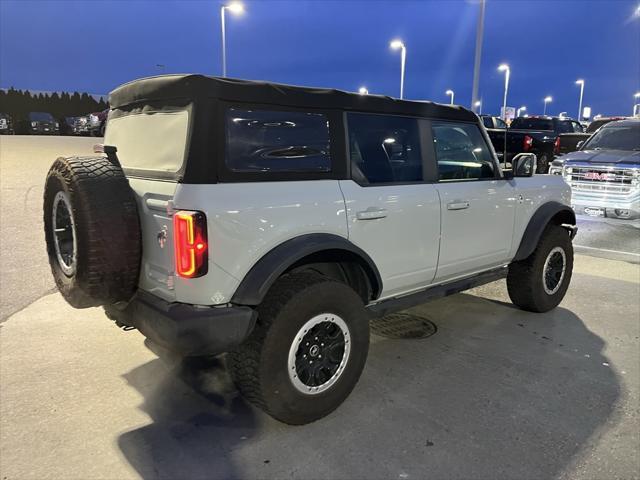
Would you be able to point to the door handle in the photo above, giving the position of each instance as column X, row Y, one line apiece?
column 458, row 205
column 371, row 213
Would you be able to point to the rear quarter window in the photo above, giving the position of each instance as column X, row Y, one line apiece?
column 260, row 140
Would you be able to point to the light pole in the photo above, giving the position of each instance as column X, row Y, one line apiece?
column 478, row 56
column 636, row 99
column 363, row 91
column 520, row 110
column 581, row 83
column 398, row 45
column 236, row 8
column 478, row 105
column 507, row 73
column 452, row 93
column 546, row 100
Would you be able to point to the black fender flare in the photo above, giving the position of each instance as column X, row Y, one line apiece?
column 547, row 212
column 273, row 264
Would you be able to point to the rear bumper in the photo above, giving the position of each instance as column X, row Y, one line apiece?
column 189, row 330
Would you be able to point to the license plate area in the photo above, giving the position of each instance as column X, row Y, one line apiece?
column 595, row 211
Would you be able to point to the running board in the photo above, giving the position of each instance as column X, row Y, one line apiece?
column 391, row 305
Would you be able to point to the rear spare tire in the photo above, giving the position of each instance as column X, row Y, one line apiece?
column 92, row 231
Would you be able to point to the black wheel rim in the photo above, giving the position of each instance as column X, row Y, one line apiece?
column 319, row 353
column 554, row 269
column 64, row 234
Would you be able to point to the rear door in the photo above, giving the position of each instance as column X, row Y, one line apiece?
column 151, row 148
column 477, row 206
column 392, row 213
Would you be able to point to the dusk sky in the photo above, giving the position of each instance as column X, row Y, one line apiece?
column 96, row 45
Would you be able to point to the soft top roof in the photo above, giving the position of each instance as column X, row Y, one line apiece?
column 165, row 88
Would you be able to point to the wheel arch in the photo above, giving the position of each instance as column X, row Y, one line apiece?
column 550, row 213
column 326, row 253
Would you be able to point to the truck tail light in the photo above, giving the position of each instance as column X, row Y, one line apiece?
column 190, row 240
column 556, row 145
column 527, row 143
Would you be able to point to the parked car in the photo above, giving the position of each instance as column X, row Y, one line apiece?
column 605, row 174
column 535, row 134
column 570, row 142
column 6, row 124
column 272, row 222
column 97, row 123
column 39, row 123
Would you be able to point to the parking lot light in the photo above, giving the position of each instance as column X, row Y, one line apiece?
column 363, row 91
column 478, row 106
column 452, row 93
column 236, row 8
column 547, row 99
column 581, row 83
column 520, row 110
column 507, row 73
column 636, row 99
column 399, row 45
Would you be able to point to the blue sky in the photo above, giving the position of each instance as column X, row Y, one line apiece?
column 95, row 45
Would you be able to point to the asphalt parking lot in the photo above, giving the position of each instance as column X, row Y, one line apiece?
column 495, row 393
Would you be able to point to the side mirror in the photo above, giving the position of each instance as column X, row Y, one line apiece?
column 524, row 165
column 579, row 144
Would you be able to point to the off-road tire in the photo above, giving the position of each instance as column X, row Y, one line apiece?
column 107, row 231
column 542, row 164
column 259, row 366
column 525, row 280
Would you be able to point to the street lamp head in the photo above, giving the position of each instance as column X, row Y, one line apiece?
column 548, row 99
column 449, row 92
column 523, row 108
column 396, row 44
column 636, row 95
column 580, row 82
column 477, row 104
column 363, row 91
column 503, row 68
column 235, row 7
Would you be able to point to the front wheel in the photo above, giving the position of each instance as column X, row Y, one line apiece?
column 307, row 351
column 539, row 282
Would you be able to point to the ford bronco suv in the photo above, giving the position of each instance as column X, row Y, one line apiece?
column 271, row 222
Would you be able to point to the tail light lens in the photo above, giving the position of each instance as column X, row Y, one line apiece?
column 527, row 143
column 190, row 240
column 556, row 145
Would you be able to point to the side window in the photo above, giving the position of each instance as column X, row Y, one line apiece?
column 462, row 152
column 577, row 127
column 500, row 123
column 487, row 122
column 276, row 141
column 384, row 148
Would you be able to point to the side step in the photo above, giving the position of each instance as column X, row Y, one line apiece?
column 396, row 304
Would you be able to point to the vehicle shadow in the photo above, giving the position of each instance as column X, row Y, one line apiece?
column 496, row 393
column 197, row 416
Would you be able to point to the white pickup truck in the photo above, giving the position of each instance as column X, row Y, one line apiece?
column 272, row 222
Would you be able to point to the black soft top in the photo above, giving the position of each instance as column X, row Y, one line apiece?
column 166, row 89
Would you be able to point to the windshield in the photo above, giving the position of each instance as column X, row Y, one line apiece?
column 565, row 126
column 532, row 123
column 612, row 137
column 41, row 117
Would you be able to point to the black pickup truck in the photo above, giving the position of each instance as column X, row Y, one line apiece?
column 539, row 135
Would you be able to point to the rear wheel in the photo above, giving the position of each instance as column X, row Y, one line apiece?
column 540, row 282
column 307, row 351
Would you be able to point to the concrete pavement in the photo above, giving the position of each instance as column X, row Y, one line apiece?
column 495, row 393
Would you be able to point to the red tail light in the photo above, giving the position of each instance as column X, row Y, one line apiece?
column 190, row 239
column 527, row 143
column 556, row 145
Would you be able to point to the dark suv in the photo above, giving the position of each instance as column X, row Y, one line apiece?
column 39, row 123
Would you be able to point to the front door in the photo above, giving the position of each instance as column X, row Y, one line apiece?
column 477, row 206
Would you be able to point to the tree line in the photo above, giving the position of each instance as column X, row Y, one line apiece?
column 18, row 103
